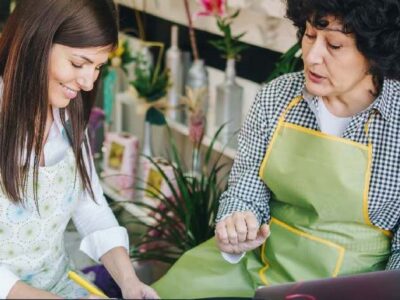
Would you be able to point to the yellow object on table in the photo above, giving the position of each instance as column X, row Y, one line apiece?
column 91, row 288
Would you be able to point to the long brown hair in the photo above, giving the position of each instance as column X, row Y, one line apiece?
column 25, row 45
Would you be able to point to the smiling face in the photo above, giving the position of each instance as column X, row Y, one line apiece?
column 332, row 63
column 72, row 70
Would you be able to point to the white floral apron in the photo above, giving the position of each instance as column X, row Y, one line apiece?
column 32, row 243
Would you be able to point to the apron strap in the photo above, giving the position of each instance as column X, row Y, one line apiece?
column 297, row 99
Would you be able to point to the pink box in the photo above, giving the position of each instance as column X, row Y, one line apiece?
column 153, row 178
column 120, row 163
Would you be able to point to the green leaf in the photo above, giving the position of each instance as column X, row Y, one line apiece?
column 186, row 219
column 239, row 36
column 288, row 62
column 235, row 14
column 218, row 45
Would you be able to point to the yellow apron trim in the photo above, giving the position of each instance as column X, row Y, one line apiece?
column 266, row 157
column 324, row 135
column 328, row 243
column 366, row 186
column 367, row 220
column 367, row 148
column 292, row 103
column 261, row 272
column 280, row 122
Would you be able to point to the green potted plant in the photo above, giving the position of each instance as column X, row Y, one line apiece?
column 185, row 219
column 229, row 94
column 151, row 85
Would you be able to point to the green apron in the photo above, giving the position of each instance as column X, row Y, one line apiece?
column 319, row 221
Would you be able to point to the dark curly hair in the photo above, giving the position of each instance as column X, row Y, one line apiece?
column 374, row 23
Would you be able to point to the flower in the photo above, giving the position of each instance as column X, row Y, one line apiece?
column 197, row 123
column 118, row 51
column 119, row 57
column 212, row 7
column 197, row 119
column 96, row 119
column 229, row 44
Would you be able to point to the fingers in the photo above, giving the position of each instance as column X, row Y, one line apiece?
column 240, row 233
column 150, row 293
column 231, row 249
column 240, row 227
column 231, row 230
column 262, row 235
column 264, row 231
column 252, row 225
column 221, row 234
column 237, row 228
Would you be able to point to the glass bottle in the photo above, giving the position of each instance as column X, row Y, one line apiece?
column 228, row 105
column 174, row 65
column 197, row 78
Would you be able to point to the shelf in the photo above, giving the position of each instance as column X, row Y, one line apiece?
column 183, row 129
column 130, row 207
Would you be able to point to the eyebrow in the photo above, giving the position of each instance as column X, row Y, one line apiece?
column 334, row 30
column 341, row 30
column 85, row 58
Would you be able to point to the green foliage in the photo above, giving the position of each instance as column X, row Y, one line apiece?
column 151, row 85
column 229, row 44
column 124, row 53
column 127, row 56
column 289, row 62
column 185, row 220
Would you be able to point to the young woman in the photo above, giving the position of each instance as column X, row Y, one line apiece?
column 51, row 53
column 318, row 160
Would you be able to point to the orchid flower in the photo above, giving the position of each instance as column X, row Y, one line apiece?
column 212, row 7
column 229, row 44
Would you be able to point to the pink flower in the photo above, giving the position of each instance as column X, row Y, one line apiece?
column 212, row 7
column 197, row 123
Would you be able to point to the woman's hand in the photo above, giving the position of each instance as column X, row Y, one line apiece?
column 120, row 267
column 138, row 290
column 240, row 233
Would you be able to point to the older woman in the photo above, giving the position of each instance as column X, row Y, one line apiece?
column 318, row 159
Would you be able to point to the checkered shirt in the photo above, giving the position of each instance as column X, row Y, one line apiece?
column 246, row 190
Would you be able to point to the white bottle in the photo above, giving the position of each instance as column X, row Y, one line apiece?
column 174, row 64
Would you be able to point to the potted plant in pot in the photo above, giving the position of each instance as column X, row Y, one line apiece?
column 229, row 94
column 151, row 85
column 185, row 217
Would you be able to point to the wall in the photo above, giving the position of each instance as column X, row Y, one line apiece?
column 268, row 34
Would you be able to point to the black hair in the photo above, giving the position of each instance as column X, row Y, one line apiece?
column 375, row 25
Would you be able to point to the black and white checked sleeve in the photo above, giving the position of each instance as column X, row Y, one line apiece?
column 246, row 191
column 394, row 259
